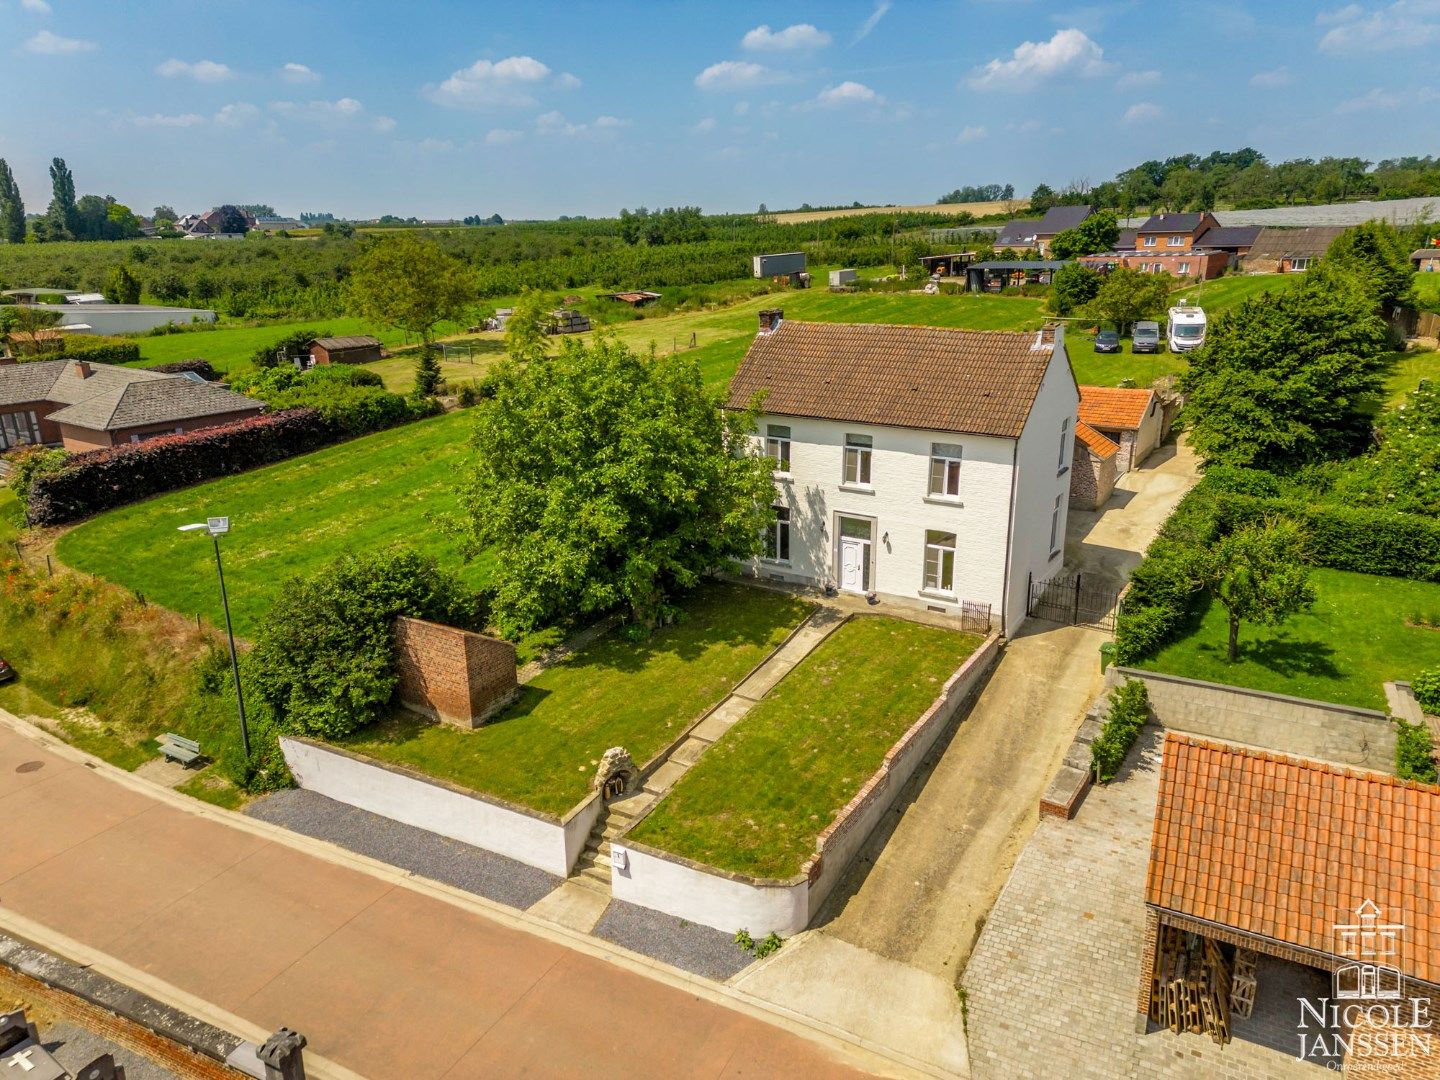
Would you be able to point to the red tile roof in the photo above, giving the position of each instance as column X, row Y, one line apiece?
column 1114, row 406
column 969, row 381
column 1288, row 849
column 1096, row 443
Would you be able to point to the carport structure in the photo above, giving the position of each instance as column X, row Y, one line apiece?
column 1256, row 854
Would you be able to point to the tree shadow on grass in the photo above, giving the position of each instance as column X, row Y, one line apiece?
column 1284, row 656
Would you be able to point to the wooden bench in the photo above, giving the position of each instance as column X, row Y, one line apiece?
column 178, row 748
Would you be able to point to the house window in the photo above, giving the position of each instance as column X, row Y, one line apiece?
column 19, row 429
column 1055, row 526
column 777, row 446
column 1297, row 265
column 940, row 562
column 1184, row 268
column 1175, row 241
column 945, row 469
column 777, row 536
column 858, row 450
column 1149, row 241
column 1064, row 443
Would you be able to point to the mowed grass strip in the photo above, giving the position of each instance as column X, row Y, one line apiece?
column 756, row 800
column 285, row 519
column 542, row 752
column 1362, row 632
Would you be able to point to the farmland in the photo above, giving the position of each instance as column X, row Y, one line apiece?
column 977, row 209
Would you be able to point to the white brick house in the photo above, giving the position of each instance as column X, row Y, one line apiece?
column 925, row 466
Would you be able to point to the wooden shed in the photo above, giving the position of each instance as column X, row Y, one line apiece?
column 345, row 350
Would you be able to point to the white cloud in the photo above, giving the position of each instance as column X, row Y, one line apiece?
column 566, row 81
column 501, row 136
column 1132, row 80
column 39, row 7
column 236, row 114
column 799, row 36
column 700, row 127
column 383, row 124
column 299, row 73
column 848, row 93
column 1404, row 24
column 1142, row 111
column 161, row 120
column 736, row 75
column 206, row 71
column 554, row 123
column 511, row 81
column 1069, row 53
column 872, row 21
column 1270, row 80
column 435, row 146
column 971, row 133
column 47, row 44
column 345, row 112
column 1378, row 99
column 741, row 108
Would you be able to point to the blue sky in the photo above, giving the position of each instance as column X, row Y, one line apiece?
column 538, row 109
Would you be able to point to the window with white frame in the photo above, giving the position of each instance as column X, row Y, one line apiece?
column 1184, row 268
column 1297, row 265
column 1175, row 241
column 19, row 429
column 945, row 469
column 1148, row 241
column 1055, row 525
column 1064, row 443
column 777, row 446
column 858, row 451
column 777, row 536
column 939, row 561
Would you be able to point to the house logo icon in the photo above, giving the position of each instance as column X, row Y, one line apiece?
column 1369, row 940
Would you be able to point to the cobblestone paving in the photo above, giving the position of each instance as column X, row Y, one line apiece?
column 1051, row 985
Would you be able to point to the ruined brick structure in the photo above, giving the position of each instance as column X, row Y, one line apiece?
column 451, row 674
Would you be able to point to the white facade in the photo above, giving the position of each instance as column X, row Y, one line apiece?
column 123, row 318
column 940, row 520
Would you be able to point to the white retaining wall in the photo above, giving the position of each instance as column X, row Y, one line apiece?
column 525, row 835
column 729, row 902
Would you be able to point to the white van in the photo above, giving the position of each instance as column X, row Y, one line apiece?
column 1185, row 329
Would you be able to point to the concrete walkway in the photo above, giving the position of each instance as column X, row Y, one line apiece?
column 892, row 941
column 251, row 927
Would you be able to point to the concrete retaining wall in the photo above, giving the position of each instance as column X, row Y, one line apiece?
column 528, row 836
column 1316, row 729
column 726, row 901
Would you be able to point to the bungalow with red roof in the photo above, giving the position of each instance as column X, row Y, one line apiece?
column 1131, row 418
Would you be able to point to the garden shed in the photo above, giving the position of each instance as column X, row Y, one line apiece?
column 345, row 350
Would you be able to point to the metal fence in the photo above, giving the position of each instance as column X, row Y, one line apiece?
column 1078, row 600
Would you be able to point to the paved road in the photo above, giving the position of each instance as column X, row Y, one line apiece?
column 896, row 935
column 384, row 979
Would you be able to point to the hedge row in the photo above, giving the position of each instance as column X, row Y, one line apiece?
column 104, row 479
column 103, row 352
column 1129, row 709
column 203, row 368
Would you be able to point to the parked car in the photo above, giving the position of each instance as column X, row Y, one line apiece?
column 1107, row 341
column 1146, row 337
column 7, row 673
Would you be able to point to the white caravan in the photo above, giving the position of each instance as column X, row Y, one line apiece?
column 1185, row 329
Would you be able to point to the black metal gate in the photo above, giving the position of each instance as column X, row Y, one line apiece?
column 1079, row 600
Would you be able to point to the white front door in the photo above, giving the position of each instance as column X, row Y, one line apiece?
column 853, row 558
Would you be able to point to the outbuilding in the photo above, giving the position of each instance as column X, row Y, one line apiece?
column 345, row 350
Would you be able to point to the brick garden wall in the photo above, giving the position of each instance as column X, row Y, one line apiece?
column 454, row 675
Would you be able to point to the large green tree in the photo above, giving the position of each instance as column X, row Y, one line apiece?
column 1073, row 286
column 121, row 286
column 1097, row 233
column 1288, row 377
column 63, row 216
column 1377, row 253
column 525, row 337
column 1258, row 574
column 603, row 479
column 1127, row 296
column 12, row 207
column 409, row 284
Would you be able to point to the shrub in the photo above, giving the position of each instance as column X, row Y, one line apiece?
column 293, row 344
column 324, row 656
column 467, row 394
column 771, row 944
column 1129, row 709
column 348, row 410
column 30, row 462
column 105, row 352
column 202, row 368
column 103, row 479
column 1414, row 752
column 1426, row 688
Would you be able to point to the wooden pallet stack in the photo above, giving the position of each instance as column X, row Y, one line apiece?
column 1243, row 982
column 568, row 322
column 1191, row 989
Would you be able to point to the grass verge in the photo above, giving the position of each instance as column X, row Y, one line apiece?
column 542, row 752
column 757, row 800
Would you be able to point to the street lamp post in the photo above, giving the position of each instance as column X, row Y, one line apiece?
column 215, row 528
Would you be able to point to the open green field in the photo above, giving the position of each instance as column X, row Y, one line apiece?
column 286, row 519
column 757, row 799
column 542, row 752
column 1357, row 636
column 1409, row 369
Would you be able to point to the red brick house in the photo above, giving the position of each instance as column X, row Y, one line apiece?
column 1309, row 865
column 1173, row 244
column 83, row 406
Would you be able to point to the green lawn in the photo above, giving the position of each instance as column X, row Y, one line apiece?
column 543, row 751
column 1355, row 638
column 1409, row 369
column 286, row 518
column 758, row 798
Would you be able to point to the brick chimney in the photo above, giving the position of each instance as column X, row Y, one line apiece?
column 82, row 369
column 770, row 320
